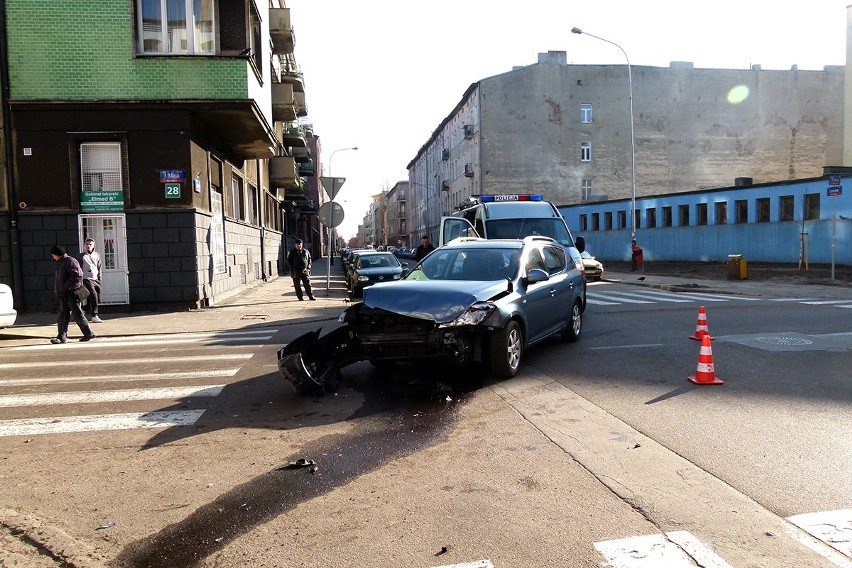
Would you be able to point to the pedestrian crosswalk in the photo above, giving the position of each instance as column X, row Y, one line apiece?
column 84, row 387
column 622, row 295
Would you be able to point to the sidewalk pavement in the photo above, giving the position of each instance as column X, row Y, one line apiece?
column 270, row 303
column 274, row 303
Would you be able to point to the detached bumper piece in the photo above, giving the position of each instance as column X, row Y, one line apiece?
column 312, row 363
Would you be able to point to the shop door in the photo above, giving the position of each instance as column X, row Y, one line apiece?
column 110, row 236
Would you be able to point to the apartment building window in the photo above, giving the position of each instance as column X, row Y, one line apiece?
column 584, row 223
column 585, row 190
column 217, row 218
column 667, row 216
column 763, row 210
column 721, row 212
column 256, row 37
column 608, row 220
column 622, row 219
column 585, row 113
column 785, row 207
column 176, row 26
column 651, row 215
column 683, row 215
column 596, row 222
column 742, row 211
column 585, row 151
column 234, row 204
column 701, row 213
column 637, row 219
column 811, row 206
column 252, row 205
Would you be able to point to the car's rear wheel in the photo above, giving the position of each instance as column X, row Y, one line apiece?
column 575, row 323
column 505, row 351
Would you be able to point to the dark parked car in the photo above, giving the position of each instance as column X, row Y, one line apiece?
column 471, row 301
column 371, row 267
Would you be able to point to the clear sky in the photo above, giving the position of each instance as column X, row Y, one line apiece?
column 382, row 74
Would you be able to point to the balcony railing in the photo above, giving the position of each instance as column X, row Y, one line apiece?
column 283, row 102
column 283, row 174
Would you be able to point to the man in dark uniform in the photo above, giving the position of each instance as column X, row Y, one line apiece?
column 299, row 265
column 424, row 248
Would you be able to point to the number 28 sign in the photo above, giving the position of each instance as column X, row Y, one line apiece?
column 172, row 190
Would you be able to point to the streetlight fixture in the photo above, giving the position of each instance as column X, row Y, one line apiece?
column 331, row 223
column 632, row 134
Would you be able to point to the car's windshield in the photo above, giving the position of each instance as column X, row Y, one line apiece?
column 479, row 264
column 377, row 261
column 520, row 228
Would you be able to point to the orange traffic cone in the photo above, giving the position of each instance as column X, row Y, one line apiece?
column 701, row 329
column 705, row 375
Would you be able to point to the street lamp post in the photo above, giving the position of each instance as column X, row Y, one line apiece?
column 632, row 134
column 331, row 223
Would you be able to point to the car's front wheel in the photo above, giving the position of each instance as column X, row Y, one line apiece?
column 575, row 323
column 505, row 351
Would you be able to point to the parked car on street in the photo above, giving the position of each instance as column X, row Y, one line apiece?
column 8, row 315
column 372, row 267
column 594, row 268
column 472, row 301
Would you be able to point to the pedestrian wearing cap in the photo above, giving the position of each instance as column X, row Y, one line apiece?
column 69, row 280
column 299, row 265
column 90, row 262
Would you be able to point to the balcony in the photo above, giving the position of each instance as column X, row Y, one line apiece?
column 283, row 102
column 283, row 174
column 468, row 170
column 292, row 135
column 288, row 74
column 306, row 169
column 301, row 105
column 302, row 155
column 281, row 32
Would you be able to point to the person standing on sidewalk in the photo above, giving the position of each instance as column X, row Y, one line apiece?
column 90, row 262
column 69, row 279
column 636, row 260
column 299, row 265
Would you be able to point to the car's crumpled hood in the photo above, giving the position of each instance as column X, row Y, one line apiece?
column 440, row 301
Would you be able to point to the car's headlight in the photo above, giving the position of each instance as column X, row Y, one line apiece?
column 474, row 315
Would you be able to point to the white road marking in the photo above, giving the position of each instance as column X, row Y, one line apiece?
column 827, row 302
column 600, row 302
column 659, row 297
column 641, row 345
column 846, row 306
column 127, row 421
column 213, row 373
column 477, row 564
column 789, row 299
column 215, row 338
column 129, row 361
column 833, row 528
column 678, row 549
column 617, row 298
column 89, row 397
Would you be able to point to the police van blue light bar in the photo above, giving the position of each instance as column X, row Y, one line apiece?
column 510, row 197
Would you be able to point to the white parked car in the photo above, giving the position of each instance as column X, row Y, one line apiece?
column 7, row 311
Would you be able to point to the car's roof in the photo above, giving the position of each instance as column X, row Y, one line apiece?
column 476, row 242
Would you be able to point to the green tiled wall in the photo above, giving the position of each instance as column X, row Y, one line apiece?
column 84, row 50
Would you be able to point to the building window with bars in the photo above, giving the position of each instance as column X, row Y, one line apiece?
column 585, row 151
column 101, row 178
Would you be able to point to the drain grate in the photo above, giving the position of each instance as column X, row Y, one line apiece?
column 258, row 317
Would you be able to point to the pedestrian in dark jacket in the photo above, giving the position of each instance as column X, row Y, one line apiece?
column 299, row 265
column 425, row 248
column 69, row 278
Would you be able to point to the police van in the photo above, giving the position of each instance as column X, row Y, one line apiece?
column 513, row 216
column 508, row 216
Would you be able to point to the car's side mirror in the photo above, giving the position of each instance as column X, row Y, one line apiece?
column 580, row 242
column 537, row 275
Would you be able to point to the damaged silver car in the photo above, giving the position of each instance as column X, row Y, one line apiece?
column 472, row 301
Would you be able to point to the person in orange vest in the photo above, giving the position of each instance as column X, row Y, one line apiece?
column 636, row 261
